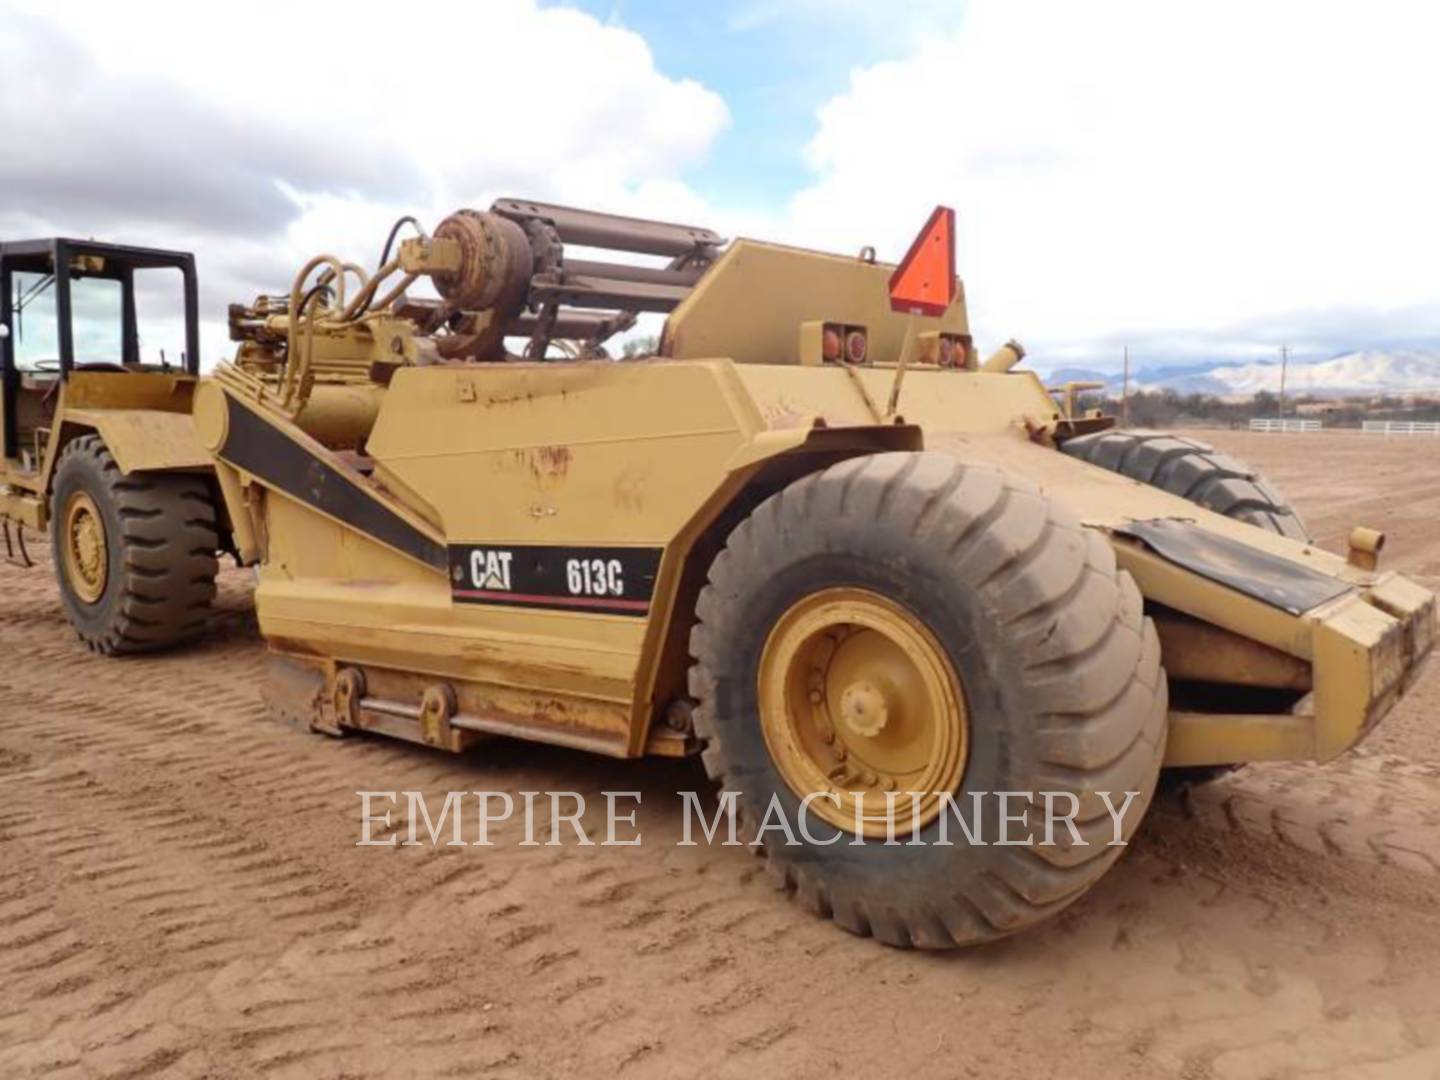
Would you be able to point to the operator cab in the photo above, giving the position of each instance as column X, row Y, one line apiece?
column 76, row 307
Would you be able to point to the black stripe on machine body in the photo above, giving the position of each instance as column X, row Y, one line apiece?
column 264, row 451
column 593, row 579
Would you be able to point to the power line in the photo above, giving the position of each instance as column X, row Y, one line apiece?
column 1125, row 392
column 1284, row 362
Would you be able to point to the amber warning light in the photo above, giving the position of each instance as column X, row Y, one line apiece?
column 924, row 282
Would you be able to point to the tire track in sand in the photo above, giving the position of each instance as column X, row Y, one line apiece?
column 182, row 895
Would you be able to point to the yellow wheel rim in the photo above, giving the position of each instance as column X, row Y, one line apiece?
column 857, row 700
column 87, row 557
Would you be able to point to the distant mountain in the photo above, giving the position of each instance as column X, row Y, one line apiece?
column 1076, row 374
column 1350, row 374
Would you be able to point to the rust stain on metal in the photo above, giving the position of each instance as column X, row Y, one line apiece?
column 553, row 460
column 507, row 399
column 548, row 466
column 629, row 490
column 785, row 413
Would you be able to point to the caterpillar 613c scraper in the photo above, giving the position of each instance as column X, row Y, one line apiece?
column 877, row 584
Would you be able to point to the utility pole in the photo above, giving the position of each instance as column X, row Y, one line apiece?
column 1284, row 362
column 1125, row 392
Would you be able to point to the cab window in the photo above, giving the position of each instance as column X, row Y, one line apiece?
column 34, row 326
column 160, row 316
column 95, row 318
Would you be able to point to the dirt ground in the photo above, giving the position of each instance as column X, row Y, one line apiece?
column 181, row 894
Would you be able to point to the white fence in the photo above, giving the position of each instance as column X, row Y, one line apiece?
column 1401, row 427
column 1284, row 425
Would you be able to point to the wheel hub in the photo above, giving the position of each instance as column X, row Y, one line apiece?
column 87, row 561
column 863, row 709
column 858, row 701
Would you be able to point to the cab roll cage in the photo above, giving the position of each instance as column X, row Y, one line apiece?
column 66, row 260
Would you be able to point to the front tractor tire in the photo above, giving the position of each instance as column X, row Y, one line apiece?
column 1194, row 470
column 135, row 556
column 904, row 622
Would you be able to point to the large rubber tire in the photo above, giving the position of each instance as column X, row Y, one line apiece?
column 1193, row 470
column 1196, row 471
column 1060, row 671
column 160, row 541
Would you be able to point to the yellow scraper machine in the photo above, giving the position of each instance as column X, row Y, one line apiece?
column 873, row 580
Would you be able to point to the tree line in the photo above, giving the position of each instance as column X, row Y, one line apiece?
column 1166, row 409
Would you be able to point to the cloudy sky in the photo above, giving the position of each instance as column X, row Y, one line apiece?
column 1196, row 180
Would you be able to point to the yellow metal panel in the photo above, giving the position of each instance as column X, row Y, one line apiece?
column 1359, row 663
column 589, row 453
column 750, row 304
column 23, row 509
column 941, row 400
column 345, row 596
column 1201, row 651
column 582, row 454
column 545, row 667
column 1414, row 607
column 128, row 390
column 1224, row 739
column 142, row 440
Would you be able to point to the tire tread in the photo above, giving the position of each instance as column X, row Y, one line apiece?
column 1193, row 470
column 1038, row 571
column 169, row 538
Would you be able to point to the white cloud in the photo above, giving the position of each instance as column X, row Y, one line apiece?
column 1205, row 171
column 261, row 133
column 1194, row 179
column 469, row 93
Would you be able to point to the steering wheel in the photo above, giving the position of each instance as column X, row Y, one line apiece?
column 46, row 365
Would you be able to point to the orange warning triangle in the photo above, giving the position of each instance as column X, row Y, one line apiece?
column 924, row 282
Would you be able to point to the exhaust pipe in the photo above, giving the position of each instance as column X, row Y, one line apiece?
column 1005, row 357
